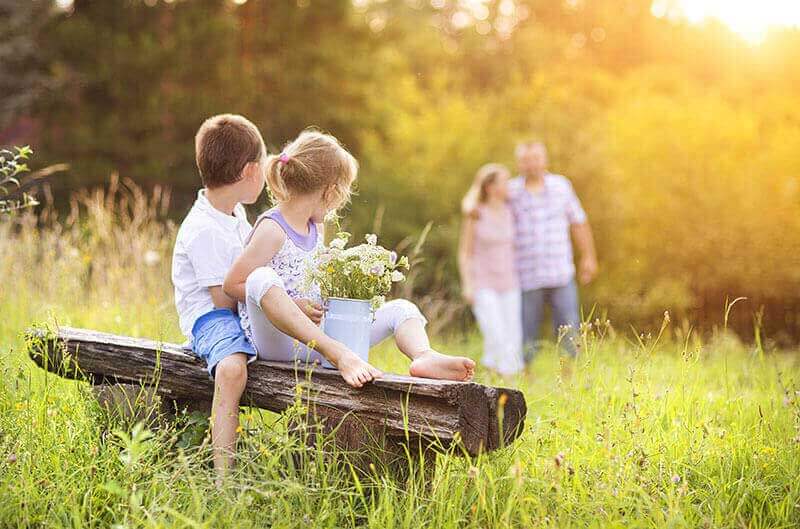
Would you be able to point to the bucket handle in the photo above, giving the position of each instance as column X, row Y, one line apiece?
column 325, row 308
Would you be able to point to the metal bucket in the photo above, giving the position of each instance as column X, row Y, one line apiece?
column 349, row 321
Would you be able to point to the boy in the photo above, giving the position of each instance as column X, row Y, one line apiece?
column 231, row 158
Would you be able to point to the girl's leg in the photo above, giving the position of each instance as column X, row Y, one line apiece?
column 403, row 319
column 487, row 311
column 268, row 340
column 274, row 317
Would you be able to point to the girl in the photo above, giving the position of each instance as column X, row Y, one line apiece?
column 310, row 179
column 486, row 265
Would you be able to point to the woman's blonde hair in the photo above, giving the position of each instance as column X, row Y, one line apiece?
column 476, row 194
column 313, row 161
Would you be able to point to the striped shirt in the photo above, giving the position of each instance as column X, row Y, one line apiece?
column 542, row 222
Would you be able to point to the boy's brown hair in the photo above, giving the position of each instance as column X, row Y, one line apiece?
column 224, row 144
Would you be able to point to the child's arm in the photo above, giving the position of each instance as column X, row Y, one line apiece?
column 265, row 243
column 465, row 256
column 220, row 299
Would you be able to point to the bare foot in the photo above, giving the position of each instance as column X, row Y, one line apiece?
column 431, row 364
column 355, row 371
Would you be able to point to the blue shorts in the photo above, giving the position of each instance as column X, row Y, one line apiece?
column 217, row 335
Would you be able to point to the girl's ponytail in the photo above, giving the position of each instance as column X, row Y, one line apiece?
column 275, row 177
column 469, row 203
column 476, row 194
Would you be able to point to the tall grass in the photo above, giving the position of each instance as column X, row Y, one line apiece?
column 641, row 431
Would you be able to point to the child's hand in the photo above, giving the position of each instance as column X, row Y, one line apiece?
column 310, row 309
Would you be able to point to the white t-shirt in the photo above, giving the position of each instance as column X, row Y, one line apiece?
column 207, row 244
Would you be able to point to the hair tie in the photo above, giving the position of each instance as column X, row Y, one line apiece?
column 283, row 158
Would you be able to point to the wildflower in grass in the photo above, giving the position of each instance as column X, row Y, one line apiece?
column 559, row 459
column 20, row 406
column 473, row 472
column 11, row 459
column 239, row 429
column 676, row 479
column 151, row 258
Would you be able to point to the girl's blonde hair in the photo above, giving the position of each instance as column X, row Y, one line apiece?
column 476, row 194
column 313, row 161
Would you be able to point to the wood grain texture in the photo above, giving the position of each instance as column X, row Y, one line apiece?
column 395, row 407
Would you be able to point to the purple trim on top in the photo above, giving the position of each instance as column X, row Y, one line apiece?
column 305, row 242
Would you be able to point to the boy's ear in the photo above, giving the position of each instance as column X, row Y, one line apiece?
column 252, row 170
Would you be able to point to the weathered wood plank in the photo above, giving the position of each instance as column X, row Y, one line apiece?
column 395, row 406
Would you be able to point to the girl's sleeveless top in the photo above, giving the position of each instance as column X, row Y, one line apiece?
column 291, row 262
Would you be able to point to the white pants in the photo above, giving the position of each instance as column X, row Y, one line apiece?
column 499, row 318
column 276, row 346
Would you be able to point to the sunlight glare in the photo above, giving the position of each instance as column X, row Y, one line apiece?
column 750, row 19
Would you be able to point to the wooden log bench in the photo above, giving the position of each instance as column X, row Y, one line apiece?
column 394, row 410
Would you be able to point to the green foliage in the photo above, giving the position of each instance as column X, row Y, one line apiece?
column 647, row 431
column 23, row 69
column 12, row 166
column 680, row 139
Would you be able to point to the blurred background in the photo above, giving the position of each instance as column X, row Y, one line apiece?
column 678, row 123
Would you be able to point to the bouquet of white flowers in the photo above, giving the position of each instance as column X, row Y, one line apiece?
column 364, row 272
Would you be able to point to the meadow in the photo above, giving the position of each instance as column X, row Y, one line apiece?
column 662, row 429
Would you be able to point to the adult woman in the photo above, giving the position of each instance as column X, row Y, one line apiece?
column 486, row 264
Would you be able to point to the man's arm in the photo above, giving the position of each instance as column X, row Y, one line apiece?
column 587, row 257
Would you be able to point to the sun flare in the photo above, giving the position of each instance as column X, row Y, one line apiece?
column 749, row 18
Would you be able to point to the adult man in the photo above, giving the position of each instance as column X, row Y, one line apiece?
column 546, row 213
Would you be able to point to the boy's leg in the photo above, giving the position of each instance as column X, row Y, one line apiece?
column 564, row 301
column 403, row 319
column 508, row 314
column 230, row 378
column 532, row 308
